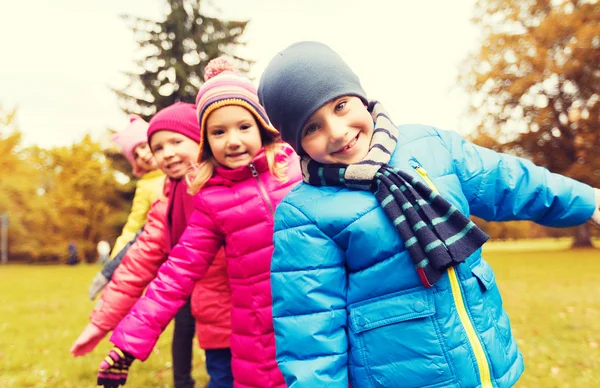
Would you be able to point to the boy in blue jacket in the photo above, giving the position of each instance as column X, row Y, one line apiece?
column 377, row 275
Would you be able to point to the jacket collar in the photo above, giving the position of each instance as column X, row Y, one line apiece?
column 152, row 174
column 259, row 162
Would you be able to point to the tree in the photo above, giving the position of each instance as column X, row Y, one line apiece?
column 535, row 84
column 174, row 53
column 82, row 196
column 18, row 185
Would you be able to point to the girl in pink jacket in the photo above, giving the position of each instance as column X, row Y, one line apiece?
column 173, row 135
column 244, row 171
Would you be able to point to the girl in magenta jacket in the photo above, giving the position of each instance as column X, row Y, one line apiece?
column 244, row 171
column 174, row 137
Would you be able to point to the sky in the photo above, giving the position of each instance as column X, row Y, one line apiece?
column 60, row 58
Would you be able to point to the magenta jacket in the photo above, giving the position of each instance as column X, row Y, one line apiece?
column 235, row 210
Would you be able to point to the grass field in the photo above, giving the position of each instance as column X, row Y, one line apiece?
column 551, row 294
column 42, row 310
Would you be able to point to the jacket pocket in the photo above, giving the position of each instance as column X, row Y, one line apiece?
column 395, row 342
column 488, row 312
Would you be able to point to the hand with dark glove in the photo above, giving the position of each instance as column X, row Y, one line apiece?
column 596, row 216
column 114, row 368
column 98, row 283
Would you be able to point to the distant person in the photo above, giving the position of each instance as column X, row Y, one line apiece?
column 103, row 249
column 73, row 257
column 378, row 278
column 133, row 144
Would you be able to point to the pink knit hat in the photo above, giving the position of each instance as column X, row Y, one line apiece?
column 131, row 137
column 225, row 86
column 179, row 117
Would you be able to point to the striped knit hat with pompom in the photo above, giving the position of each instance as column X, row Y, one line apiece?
column 225, row 86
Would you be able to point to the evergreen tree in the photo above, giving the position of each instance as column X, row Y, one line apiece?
column 174, row 53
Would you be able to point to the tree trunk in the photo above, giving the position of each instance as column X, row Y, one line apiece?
column 583, row 236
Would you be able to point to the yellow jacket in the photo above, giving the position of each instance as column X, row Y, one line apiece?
column 148, row 188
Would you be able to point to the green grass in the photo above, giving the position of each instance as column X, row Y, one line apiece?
column 42, row 310
column 553, row 301
column 552, row 296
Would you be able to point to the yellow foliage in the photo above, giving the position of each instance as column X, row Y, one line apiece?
column 56, row 196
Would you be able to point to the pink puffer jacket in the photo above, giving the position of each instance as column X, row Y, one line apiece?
column 211, row 300
column 235, row 210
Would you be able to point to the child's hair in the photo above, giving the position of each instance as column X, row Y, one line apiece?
column 224, row 86
column 301, row 79
column 129, row 138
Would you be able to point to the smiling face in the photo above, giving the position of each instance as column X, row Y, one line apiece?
column 174, row 152
column 233, row 136
column 338, row 132
column 142, row 155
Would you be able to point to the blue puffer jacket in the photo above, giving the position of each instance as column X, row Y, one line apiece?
column 348, row 305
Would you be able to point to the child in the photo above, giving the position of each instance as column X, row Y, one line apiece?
column 173, row 134
column 244, row 172
column 134, row 146
column 377, row 277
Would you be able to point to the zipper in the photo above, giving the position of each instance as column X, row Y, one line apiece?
column 262, row 188
column 423, row 174
column 480, row 357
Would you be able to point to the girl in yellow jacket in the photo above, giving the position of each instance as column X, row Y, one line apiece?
column 133, row 143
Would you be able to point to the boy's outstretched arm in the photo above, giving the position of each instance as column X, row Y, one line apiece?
column 502, row 187
column 308, row 282
column 596, row 216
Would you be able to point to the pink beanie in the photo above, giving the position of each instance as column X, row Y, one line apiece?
column 225, row 86
column 179, row 117
column 131, row 137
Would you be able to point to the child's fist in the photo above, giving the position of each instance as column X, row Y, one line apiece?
column 114, row 368
column 596, row 216
column 98, row 283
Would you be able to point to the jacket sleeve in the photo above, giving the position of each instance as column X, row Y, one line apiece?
column 308, row 281
column 188, row 261
column 502, row 187
column 142, row 200
column 140, row 265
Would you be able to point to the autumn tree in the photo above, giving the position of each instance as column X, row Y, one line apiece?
column 79, row 187
column 54, row 196
column 173, row 53
column 18, row 186
column 535, row 84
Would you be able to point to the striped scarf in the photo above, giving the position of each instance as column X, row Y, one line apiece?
column 435, row 233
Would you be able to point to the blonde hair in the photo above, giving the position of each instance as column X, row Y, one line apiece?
column 204, row 170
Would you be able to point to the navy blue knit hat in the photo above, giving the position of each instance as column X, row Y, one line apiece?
column 301, row 79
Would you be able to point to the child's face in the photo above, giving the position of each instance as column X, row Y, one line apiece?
column 174, row 152
column 143, row 157
column 339, row 132
column 233, row 136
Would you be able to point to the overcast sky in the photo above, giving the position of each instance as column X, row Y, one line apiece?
column 60, row 57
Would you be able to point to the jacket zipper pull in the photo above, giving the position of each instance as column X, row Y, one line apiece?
column 421, row 171
column 253, row 169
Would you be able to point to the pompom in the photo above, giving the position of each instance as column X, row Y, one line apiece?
column 133, row 118
column 217, row 66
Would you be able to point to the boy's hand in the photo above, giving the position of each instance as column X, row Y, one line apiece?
column 87, row 340
column 97, row 285
column 596, row 216
column 114, row 368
